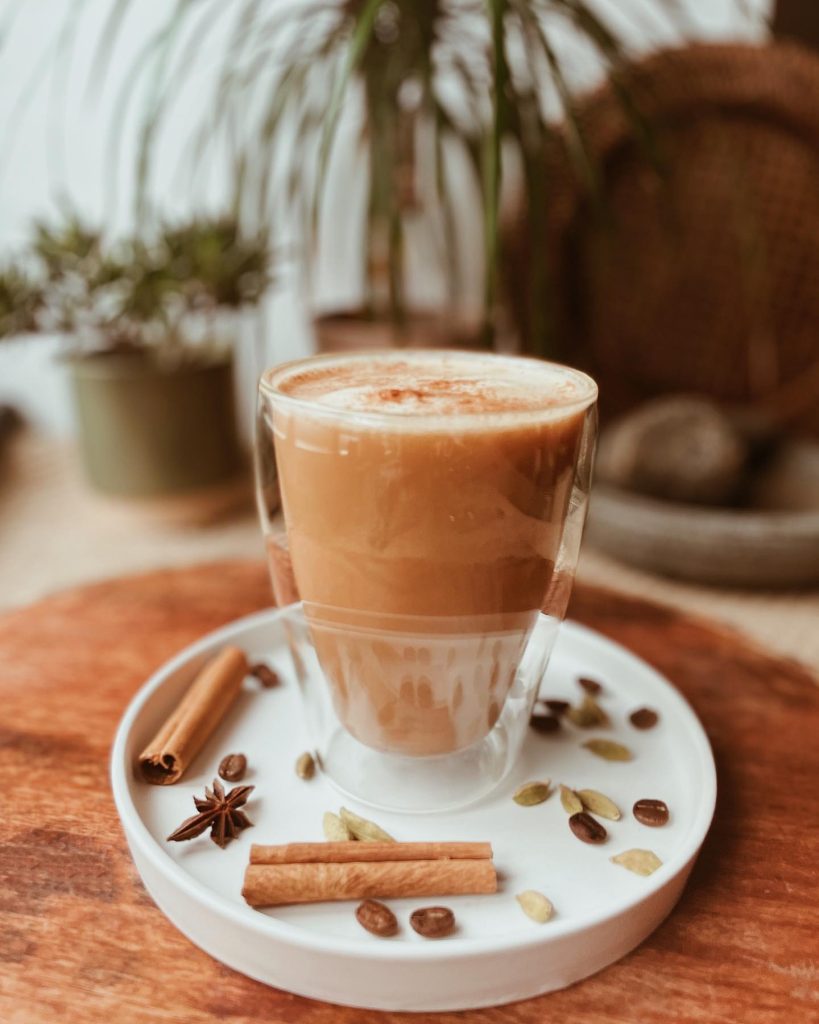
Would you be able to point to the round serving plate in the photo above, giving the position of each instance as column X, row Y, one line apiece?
column 496, row 955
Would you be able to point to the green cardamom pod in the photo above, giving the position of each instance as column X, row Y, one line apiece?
column 599, row 804
column 609, row 750
column 366, row 831
column 641, row 862
column 572, row 804
column 535, row 905
column 587, row 714
column 335, row 831
column 531, row 793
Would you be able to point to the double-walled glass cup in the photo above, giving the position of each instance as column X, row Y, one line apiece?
column 426, row 508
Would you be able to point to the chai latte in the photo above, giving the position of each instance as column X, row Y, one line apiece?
column 424, row 498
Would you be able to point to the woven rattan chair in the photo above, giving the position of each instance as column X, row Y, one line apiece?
column 703, row 277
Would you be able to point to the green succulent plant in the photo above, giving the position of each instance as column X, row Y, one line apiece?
column 214, row 264
column 139, row 291
column 21, row 300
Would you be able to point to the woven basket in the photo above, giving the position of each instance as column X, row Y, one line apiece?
column 704, row 278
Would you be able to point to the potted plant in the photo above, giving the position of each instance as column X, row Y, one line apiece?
column 445, row 98
column 147, row 324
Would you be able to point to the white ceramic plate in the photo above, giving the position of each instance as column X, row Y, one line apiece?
column 497, row 955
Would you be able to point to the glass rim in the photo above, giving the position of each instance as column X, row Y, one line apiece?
column 270, row 386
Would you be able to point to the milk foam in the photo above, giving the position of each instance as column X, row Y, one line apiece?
column 444, row 384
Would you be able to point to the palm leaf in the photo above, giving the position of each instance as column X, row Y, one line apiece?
column 678, row 15
column 58, row 93
column 595, row 29
column 577, row 144
column 7, row 25
column 231, row 101
column 492, row 164
column 105, row 46
column 163, row 92
column 291, row 95
column 361, row 35
column 270, row 86
column 27, row 94
column 446, row 205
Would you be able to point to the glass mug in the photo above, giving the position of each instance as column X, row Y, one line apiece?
column 427, row 509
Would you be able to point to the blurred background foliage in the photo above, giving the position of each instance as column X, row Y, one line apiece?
column 425, row 81
column 133, row 291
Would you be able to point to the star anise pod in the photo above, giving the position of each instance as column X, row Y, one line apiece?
column 219, row 812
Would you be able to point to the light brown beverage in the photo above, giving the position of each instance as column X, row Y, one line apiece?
column 424, row 497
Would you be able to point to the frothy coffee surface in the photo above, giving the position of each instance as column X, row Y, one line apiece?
column 444, row 386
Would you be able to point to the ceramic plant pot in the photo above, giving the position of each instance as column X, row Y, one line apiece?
column 147, row 429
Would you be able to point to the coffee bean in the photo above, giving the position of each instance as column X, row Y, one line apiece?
column 644, row 718
column 377, row 918
column 233, row 767
column 557, row 707
column 586, row 828
column 266, row 676
column 651, row 812
column 433, row 922
column 544, row 723
column 305, row 765
column 590, row 685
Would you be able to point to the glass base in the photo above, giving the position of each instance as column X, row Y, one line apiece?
column 418, row 785
column 412, row 784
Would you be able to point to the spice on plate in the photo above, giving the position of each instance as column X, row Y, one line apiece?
column 535, row 905
column 335, row 831
column 587, row 714
column 305, row 766
column 571, row 802
column 599, row 804
column 361, row 828
column 183, row 734
column 544, row 723
column 651, row 812
column 232, row 767
column 641, row 862
column 586, row 828
column 267, row 676
column 377, row 918
column 557, row 707
column 319, row 872
column 219, row 812
column 644, row 718
column 531, row 793
column 609, row 750
column 433, row 922
column 590, row 685
column 348, row 853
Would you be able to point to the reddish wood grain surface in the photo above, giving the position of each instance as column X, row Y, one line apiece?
column 80, row 940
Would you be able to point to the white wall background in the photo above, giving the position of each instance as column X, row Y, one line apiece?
column 57, row 148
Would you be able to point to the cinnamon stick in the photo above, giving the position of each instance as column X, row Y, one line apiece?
column 268, row 885
column 166, row 758
column 347, row 852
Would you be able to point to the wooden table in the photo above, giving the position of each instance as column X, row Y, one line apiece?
column 81, row 942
